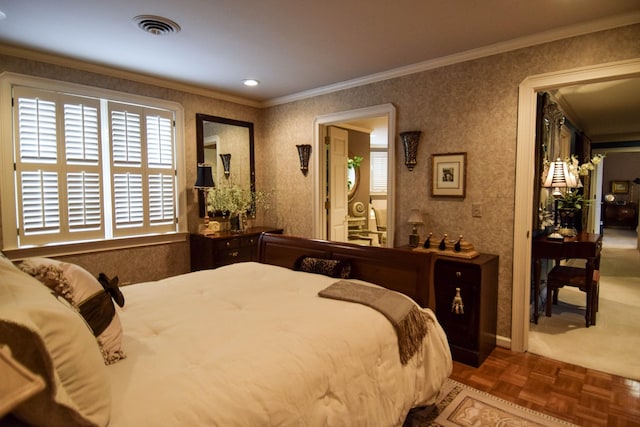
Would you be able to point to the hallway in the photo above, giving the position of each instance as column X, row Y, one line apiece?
column 613, row 344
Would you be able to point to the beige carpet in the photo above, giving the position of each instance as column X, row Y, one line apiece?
column 613, row 344
column 460, row 405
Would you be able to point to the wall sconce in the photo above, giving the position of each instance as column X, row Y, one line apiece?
column 226, row 164
column 415, row 219
column 410, row 141
column 304, row 151
column 204, row 182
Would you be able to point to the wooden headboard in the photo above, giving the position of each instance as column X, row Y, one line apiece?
column 400, row 270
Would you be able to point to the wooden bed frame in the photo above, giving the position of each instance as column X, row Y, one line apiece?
column 400, row 270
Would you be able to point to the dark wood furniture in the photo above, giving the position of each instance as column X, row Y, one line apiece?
column 399, row 270
column 226, row 247
column 621, row 215
column 563, row 275
column 471, row 331
column 585, row 246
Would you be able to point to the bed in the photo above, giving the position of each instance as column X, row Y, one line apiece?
column 253, row 344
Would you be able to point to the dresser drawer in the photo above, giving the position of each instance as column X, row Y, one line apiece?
column 218, row 249
column 232, row 255
column 470, row 329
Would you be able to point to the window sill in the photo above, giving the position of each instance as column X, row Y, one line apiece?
column 93, row 247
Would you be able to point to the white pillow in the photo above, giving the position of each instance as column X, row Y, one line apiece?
column 47, row 337
column 78, row 286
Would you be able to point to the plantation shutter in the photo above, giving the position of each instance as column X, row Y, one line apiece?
column 82, row 152
column 57, row 166
column 143, row 164
column 378, row 172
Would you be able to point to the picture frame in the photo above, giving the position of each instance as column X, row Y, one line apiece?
column 620, row 187
column 449, row 175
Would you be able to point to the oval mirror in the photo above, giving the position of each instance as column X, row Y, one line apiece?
column 353, row 180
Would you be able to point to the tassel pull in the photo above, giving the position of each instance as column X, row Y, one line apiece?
column 457, row 306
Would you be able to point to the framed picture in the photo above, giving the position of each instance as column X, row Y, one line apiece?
column 449, row 175
column 619, row 187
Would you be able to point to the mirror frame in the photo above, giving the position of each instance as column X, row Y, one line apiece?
column 200, row 119
column 351, row 192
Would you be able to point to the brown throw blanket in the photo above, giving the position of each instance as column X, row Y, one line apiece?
column 407, row 319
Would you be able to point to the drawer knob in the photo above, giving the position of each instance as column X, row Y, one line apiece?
column 458, row 274
column 228, row 243
column 457, row 306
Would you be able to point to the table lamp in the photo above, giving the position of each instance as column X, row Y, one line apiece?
column 414, row 219
column 204, row 182
column 557, row 178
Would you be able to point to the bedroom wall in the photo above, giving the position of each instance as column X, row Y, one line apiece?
column 469, row 107
column 146, row 263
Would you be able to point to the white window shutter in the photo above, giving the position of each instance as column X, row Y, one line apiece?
column 40, row 202
column 378, row 172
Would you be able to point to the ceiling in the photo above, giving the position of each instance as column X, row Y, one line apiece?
column 295, row 48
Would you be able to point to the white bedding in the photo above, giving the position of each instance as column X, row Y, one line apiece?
column 251, row 344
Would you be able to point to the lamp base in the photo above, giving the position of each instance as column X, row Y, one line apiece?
column 555, row 236
column 414, row 239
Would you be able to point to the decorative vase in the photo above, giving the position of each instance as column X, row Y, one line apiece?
column 410, row 143
column 568, row 221
column 236, row 223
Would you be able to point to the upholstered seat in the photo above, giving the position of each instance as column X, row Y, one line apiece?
column 562, row 275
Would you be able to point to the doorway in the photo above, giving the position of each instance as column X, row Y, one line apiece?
column 525, row 177
column 321, row 175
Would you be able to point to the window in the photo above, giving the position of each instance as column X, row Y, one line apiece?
column 88, row 167
column 378, row 182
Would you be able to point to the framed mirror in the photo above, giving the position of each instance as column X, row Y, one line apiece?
column 227, row 145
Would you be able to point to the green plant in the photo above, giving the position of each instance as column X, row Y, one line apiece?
column 232, row 200
column 355, row 162
column 572, row 199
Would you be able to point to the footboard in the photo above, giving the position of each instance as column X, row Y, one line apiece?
column 400, row 270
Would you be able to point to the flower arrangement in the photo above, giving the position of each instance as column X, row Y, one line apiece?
column 573, row 198
column 233, row 200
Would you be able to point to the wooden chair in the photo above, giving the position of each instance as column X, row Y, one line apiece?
column 562, row 275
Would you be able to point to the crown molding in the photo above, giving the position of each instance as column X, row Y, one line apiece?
column 35, row 55
column 494, row 49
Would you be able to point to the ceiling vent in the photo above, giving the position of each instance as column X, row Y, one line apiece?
column 156, row 25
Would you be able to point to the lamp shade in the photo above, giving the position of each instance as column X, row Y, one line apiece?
column 636, row 181
column 559, row 176
column 205, row 178
column 415, row 217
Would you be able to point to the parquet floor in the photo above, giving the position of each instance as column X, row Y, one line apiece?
column 572, row 393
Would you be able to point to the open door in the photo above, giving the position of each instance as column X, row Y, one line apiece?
column 337, row 224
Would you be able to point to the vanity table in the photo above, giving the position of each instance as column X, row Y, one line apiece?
column 583, row 246
column 226, row 247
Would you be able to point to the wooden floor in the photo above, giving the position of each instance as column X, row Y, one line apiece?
column 572, row 393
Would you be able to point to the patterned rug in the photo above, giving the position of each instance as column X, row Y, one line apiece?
column 460, row 405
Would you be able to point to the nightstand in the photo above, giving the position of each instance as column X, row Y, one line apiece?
column 471, row 330
column 226, row 247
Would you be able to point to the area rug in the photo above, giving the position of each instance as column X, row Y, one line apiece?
column 459, row 405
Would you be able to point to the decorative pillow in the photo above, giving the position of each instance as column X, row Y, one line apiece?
column 48, row 338
column 328, row 267
column 86, row 294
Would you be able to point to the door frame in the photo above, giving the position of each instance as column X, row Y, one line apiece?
column 524, row 182
column 319, row 160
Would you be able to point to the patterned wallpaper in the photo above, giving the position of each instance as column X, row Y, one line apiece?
column 468, row 107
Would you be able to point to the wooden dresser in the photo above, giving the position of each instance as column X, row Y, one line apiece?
column 226, row 247
column 471, row 331
column 621, row 215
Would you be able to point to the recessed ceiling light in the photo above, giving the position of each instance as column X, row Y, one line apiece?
column 250, row 82
column 156, row 25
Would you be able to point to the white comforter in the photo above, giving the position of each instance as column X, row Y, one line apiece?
column 253, row 345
